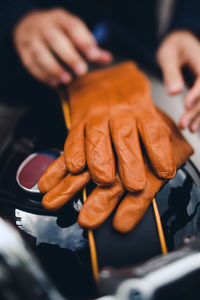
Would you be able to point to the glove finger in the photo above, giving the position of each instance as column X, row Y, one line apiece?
column 133, row 206
column 156, row 138
column 180, row 147
column 53, row 174
column 65, row 190
column 127, row 146
column 99, row 205
column 74, row 150
column 100, row 157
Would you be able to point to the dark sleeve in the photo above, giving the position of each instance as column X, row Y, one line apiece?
column 11, row 11
column 187, row 16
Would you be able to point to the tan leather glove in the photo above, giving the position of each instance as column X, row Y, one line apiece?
column 134, row 205
column 102, row 201
column 114, row 106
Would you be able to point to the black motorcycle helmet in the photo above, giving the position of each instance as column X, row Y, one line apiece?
column 61, row 245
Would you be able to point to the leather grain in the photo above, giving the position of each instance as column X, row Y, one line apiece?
column 112, row 113
column 113, row 108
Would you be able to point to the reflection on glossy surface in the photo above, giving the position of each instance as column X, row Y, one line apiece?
column 179, row 206
column 46, row 230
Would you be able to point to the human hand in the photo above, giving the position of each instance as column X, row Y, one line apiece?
column 182, row 48
column 44, row 39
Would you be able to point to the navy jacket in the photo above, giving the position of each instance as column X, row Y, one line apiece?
column 137, row 16
column 131, row 22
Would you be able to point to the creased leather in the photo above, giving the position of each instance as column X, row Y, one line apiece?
column 65, row 190
column 134, row 205
column 112, row 108
column 102, row 201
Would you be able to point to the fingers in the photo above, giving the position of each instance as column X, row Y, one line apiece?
column 65, row 190
column 40, row 74
column 100, row 157
column 99, row 205
column 193, row 94
column 195, row 124
column 63, row 47
column 54, row 173
column 45, row 60
column 156, row 139
column 83, row 39
column 133, row 206
column 191, row 117
column 168, row 59
column 127, row 146
column 74, row 150
column 45, row 38
column 130, row 212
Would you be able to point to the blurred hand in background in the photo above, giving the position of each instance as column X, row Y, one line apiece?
column 55, row 42
column 182, row 48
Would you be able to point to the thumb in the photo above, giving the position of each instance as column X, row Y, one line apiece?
column 171, row 69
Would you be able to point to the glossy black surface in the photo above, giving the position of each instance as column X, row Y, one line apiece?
column 57, row 240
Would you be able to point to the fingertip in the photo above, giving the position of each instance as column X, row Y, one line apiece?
column 183, row 123
column 75, row 167
column 80, row 68
column 65, row 78
column 41, row 185
column 85, row 221
column 193, row 127
column 92, row 53
column 174, row 88
column 106, row 55
column 123, row 225
column 96, row 54
column 104, row 180
column 137, row 184
column 48, row 204
column 53, row 82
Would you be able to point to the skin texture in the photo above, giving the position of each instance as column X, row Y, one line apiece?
column 53, row 43
column 102, row 201
column 182, row 48
column 112, row 108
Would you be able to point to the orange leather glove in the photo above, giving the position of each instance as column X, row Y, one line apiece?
column 114, row 106
column 102, row 201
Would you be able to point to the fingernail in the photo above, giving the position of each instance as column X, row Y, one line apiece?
column 53, row 82
column 65, row 78
column 106, row 54
column 93, row 52
column 80, row 68
column 175, row 87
